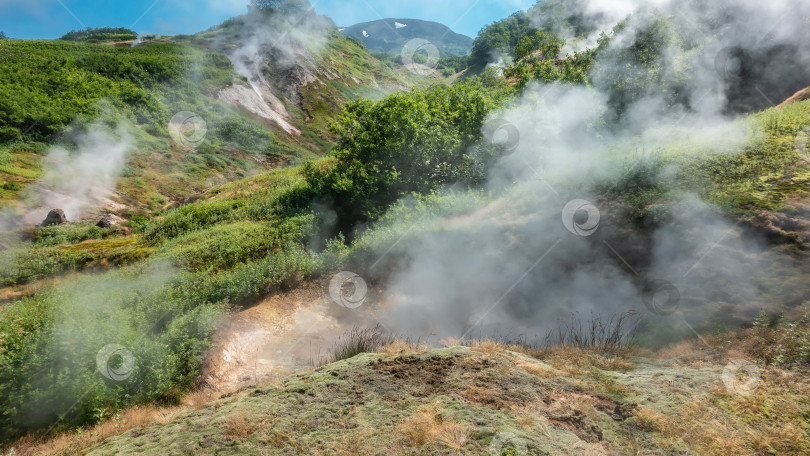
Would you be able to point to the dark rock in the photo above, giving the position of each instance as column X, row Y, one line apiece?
column 55, row 217
column 104, row 223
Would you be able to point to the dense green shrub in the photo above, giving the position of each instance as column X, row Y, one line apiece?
column 46, row 86
column 629, row 73
column 189, row 218
column 544, row 42
column 242, row 134
column 500, row 38
column 163, row 316
column 98, row 35
column 406, row 142
column 67, row 234
column 225, row 246
column 451, row 65
column 49, row 344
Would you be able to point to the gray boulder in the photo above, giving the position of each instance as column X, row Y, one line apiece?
column 104, row 223
column 55, row 217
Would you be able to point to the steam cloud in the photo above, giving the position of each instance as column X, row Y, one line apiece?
column 292, row 42
column 78, row 181
column 75, row 181
column 512, row 267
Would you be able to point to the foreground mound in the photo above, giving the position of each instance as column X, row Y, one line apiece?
column 490, row 400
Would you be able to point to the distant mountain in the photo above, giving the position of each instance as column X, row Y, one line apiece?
column 390, row 35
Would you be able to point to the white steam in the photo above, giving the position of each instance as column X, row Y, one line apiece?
column 513, row 268
column 80, row 180
column 290, row 44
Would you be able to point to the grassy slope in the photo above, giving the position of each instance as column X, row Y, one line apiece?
column 460, row 401
column 48, row 85
column 762, row 178
column 245, row 219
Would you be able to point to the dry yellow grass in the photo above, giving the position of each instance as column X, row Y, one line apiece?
column 568, row 403
column 538, row 370
column 133, row 418
column 651, row 420
column 399, row 347
column 420, row 427
column 356, row 442
column 573, row 361
column 488, row 346
column 427, row 425
column 678, row 350
column 73, row 442
column 454, row 435
column 239, row 426
column 762, row 423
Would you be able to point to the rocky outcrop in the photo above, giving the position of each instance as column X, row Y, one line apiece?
column 55, row 217
column 105, row 222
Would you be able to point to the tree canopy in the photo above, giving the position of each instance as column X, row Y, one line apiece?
column 407, row 142
column 97, row 35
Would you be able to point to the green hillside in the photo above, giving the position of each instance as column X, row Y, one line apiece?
column 448, row 200
column 47, row 86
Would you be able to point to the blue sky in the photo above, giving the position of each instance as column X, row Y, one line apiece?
column 52, row 18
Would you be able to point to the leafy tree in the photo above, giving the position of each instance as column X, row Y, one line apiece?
column 97, row 35
column 547, row 43
column 405, row 143
column 452, row 64
column 502, row 36
column 630, row 73
column 3, row 36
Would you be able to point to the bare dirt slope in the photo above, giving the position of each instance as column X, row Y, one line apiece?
column 281, row 335
column 287, row 332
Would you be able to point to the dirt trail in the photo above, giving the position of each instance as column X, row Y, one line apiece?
column 281, row 335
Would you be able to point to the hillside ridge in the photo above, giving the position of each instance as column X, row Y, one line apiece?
column 391, row 34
